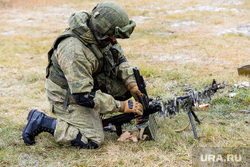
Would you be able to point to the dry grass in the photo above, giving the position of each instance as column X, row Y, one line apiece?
column 174, row 44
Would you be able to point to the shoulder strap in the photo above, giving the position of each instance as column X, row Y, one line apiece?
column 99, row 57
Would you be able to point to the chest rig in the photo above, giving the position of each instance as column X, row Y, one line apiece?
column 112, row 57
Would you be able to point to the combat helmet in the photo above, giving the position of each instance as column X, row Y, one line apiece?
column 109, row 18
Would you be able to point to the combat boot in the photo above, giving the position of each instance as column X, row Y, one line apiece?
column 37, row 122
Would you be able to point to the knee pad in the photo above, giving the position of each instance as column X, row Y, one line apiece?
column 78, row 143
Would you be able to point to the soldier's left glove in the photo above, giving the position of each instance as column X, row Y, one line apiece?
column 135, row 92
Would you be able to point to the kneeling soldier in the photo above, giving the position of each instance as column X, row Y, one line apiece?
column 87, row 75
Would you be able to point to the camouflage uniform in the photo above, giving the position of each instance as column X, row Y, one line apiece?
column 77, row 64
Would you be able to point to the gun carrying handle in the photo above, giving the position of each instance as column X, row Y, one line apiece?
column 140, row 81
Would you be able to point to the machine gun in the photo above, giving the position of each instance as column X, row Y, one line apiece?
column 168, row 108
column 146, row 122
column 171, row 107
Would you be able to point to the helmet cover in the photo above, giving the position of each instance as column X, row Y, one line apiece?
column 110, row 18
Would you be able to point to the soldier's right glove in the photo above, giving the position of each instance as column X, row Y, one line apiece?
column 130, row 106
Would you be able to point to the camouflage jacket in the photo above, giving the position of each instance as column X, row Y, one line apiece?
column 75, row 62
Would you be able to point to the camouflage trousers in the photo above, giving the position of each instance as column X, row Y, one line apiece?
column 78, row 118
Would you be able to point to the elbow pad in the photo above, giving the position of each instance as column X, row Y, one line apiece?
column 82, row 100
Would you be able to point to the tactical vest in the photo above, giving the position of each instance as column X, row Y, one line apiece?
column 109, row 59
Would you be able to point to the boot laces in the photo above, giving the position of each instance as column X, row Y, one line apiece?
column 40, row 130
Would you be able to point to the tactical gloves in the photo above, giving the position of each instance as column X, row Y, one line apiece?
column 130, row 106
column 135, row 92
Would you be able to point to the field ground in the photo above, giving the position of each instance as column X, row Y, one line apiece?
column 175, row 44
